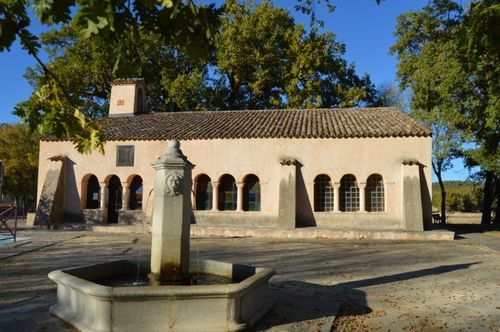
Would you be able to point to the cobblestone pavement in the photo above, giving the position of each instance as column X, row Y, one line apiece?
column 366, row 285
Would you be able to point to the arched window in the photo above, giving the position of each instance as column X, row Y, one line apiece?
column 227, row 193
column 93, row 193
column 203, row 193
column 323, row 193
column 349, row 193
column 374, row 197
column 251, row 193
column 136, row 193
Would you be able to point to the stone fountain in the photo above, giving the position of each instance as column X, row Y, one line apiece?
column 169, row 301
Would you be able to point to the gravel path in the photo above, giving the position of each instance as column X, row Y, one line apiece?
column 320, row 285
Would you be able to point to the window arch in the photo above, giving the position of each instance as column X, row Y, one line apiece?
column 349, row 194
column 374, row 197
column 227, row 193
column 93, row 199
column 136, row 193
column 203, row 192
column 323, row 193
column 251, row 193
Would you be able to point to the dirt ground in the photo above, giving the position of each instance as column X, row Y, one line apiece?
column 319, row 285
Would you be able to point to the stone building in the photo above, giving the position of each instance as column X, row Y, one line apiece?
column 351, row 168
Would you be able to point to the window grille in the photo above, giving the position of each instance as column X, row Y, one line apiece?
column 227, row 193
column 374, row 197
column 323, row 193
column 349, row 194
column 251, row 193
column 204, row 193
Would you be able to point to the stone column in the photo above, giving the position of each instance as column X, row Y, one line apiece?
column 362, row 187
column 239, row 196
column 411, row 198
column 336, row 197
column 193, row 195
column 215, row 196
column 125, row 195
column 171, row 216
column 104, row 194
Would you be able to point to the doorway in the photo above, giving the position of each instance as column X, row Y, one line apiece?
column 114, row 199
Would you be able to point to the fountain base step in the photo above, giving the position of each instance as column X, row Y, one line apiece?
column 90, row 306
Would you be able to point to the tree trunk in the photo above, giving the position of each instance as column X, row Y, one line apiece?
column 497, row 210
column 443, row 199
column 438, row 170
column 487, row 198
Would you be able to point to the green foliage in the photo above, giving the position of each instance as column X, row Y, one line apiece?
column 262, row 60
column 462, row 196
column 19, row 154
column 259, row 60
column 53, row 108
column 449, row 58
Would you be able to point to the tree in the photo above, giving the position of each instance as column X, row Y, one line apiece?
column 449, row 63
column 19, row 154
column 263, row 59
column 87, row 66
column 259, row 61
column 180, row 24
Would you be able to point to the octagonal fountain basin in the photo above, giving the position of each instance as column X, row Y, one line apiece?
column 86, row 300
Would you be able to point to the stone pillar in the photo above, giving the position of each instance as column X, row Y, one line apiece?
column 362, row 187
column 125, row 195
column 193, row 195
column 411, row 198
column 239, row 196
column 171, row 216
column 336, row 197
column 104, row 200
column 215, row 196
column 288, row 194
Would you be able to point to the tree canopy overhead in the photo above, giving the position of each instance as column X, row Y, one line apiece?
column 259, row 59
column 181, row 23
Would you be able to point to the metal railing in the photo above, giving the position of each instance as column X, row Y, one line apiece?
column 8, row 212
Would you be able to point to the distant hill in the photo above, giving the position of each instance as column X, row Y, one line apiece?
column 461, row 196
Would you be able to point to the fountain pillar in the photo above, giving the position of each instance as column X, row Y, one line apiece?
column 171, row 216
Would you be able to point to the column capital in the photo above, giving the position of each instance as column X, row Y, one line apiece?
column 240, row 184
column 362, row 185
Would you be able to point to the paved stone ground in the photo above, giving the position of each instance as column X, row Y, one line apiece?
column 367, row 285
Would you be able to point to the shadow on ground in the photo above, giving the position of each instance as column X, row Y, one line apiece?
column 463, row 229
column 301, row 304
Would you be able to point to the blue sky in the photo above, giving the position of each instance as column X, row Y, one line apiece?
column 363, row 26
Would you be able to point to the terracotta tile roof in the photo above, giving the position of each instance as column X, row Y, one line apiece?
column 317, row 123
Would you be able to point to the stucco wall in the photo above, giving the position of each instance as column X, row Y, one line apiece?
column 240, row 157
